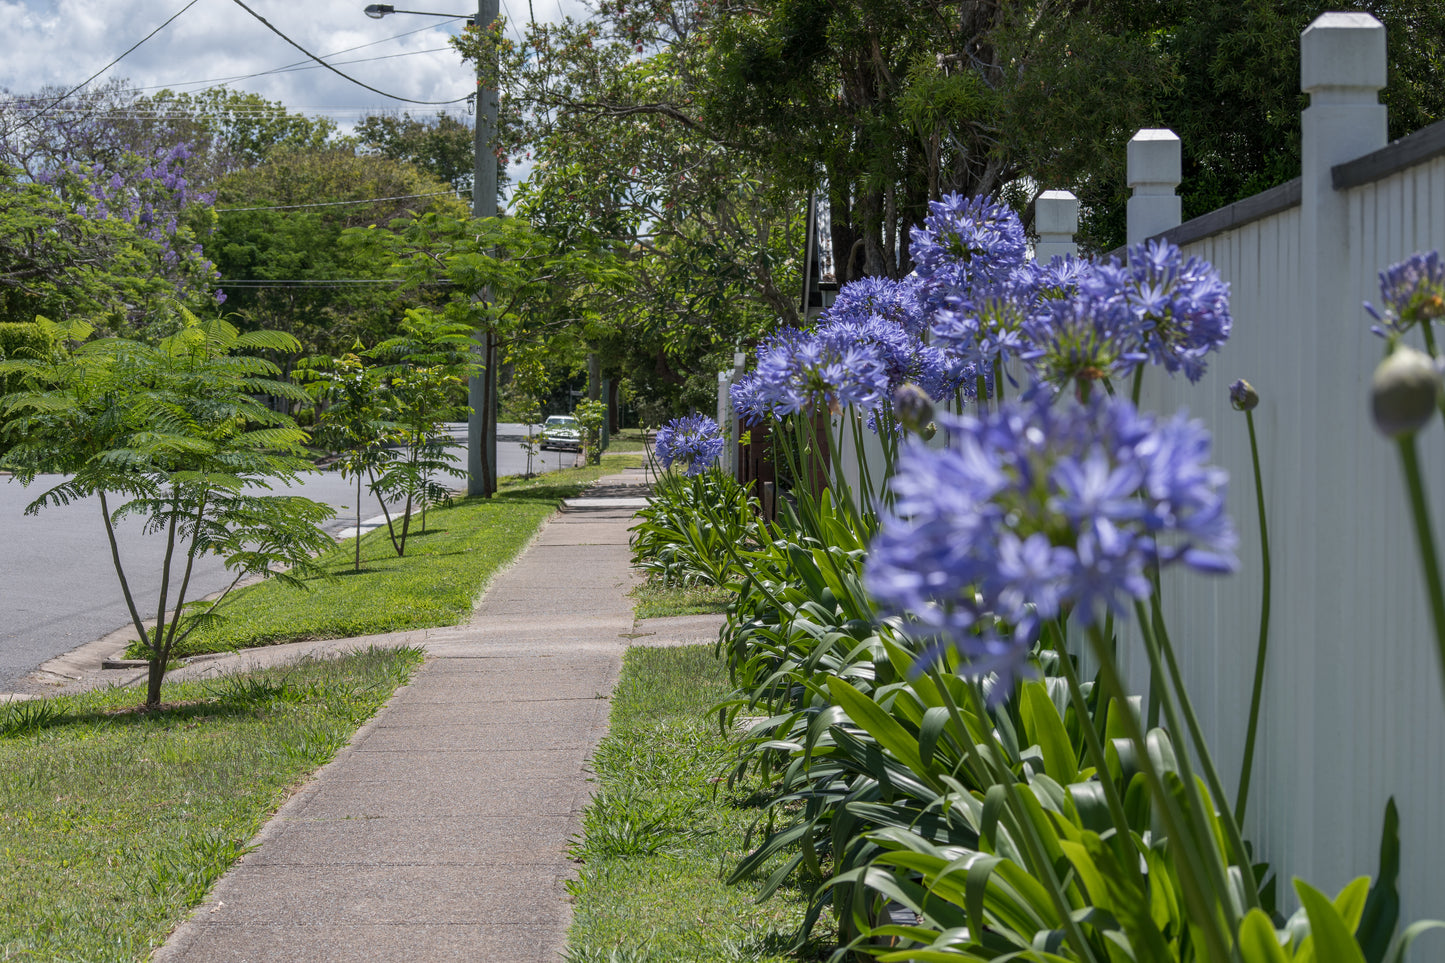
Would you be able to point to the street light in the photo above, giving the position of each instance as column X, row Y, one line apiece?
column 378, row 10
column 481, row 388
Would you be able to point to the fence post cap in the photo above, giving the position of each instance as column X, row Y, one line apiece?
column 1056, row 212
column 1343, row 50
column 1154, row 157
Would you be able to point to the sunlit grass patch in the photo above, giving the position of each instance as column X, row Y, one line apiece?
column 664, row 830
column 114, row 822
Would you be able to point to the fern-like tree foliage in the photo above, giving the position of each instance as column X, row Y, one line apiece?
column 352, row 421
column 178, row 435
column 424, row 371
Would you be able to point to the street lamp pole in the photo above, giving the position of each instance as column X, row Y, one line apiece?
column 482, row 383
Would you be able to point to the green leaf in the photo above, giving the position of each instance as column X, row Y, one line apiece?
column 1382, row 910
column 1332, row 938
column 1045, row 729
column 873, row 719
column 1258, row 941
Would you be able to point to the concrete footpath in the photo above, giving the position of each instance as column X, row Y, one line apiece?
column 441, row 832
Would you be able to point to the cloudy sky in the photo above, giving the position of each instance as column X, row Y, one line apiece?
column 216, row 42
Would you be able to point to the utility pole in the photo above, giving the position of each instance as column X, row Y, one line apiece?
column 482, row 385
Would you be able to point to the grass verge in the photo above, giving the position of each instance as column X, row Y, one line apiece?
column 663, row 831
column 434, row 584
column 114, row 822
column 655, row 600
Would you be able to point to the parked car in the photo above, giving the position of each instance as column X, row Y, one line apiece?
column 562, row 432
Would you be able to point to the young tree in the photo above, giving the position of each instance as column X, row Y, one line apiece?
column 352, row 420
column 424, row 372
column 176, row 434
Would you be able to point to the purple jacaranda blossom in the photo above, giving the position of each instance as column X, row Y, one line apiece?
column 693, row 442
column 1411, row 291
column 1043, row 508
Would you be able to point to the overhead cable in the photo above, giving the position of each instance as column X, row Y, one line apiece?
column 344, row 76
column 30, row 121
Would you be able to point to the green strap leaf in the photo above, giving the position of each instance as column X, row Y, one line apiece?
column 1334, row 942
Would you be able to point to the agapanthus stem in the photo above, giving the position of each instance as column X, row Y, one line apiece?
column 1123, row 837
column 1198, row 821
column 1138, row 388
column 1262, row 648
column 1232, row 837
column 1203, row 912
column 1425, row 540
column 1042, row 869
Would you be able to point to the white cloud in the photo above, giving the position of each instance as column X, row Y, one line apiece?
column 64, row 41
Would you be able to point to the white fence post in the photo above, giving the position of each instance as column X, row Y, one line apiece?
column 1153, row 173
column 1342, row 68
column 1056, row 217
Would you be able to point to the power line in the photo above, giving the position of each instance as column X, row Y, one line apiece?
column 363, row 200
column 30, row 121
column 344, row 76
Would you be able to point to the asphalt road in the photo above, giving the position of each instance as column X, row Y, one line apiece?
column 58, row 587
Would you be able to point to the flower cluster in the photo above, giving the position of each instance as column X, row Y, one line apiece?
column 1039, row 509
column 693, row 441
column 1411, row 291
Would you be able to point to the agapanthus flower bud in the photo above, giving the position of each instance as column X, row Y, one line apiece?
column 1404, row 392
column 928, row 431
column 1243, row 396
column 912, row 406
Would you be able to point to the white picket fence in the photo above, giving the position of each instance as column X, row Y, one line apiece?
column 1354, row 712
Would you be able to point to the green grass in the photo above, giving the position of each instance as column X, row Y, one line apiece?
column 434, row 584
column 654, row 600
column 664, row 830
column 114, row 822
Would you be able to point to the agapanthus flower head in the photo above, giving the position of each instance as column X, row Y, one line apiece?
column 1181, row 304
column 895, row 301
column 1411, row 291
column 748, row 404
column 1242, row 396
column 1405, row 391
column 801, row 372
column 693, row 442
column 1038, row 510
column 1059, row 278
column 1087, row 337
column 986, row 326
column 965, row 239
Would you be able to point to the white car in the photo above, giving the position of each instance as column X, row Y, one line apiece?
column 562, row 432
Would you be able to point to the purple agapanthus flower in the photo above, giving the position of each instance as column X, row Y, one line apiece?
column 748, row 403
column 1411, row 291
column 964, row 240
column 1087, row 336
column 895, row 301
column 802, row 371
column 1038, row 510
column 1181, row 304
column 693, row 441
